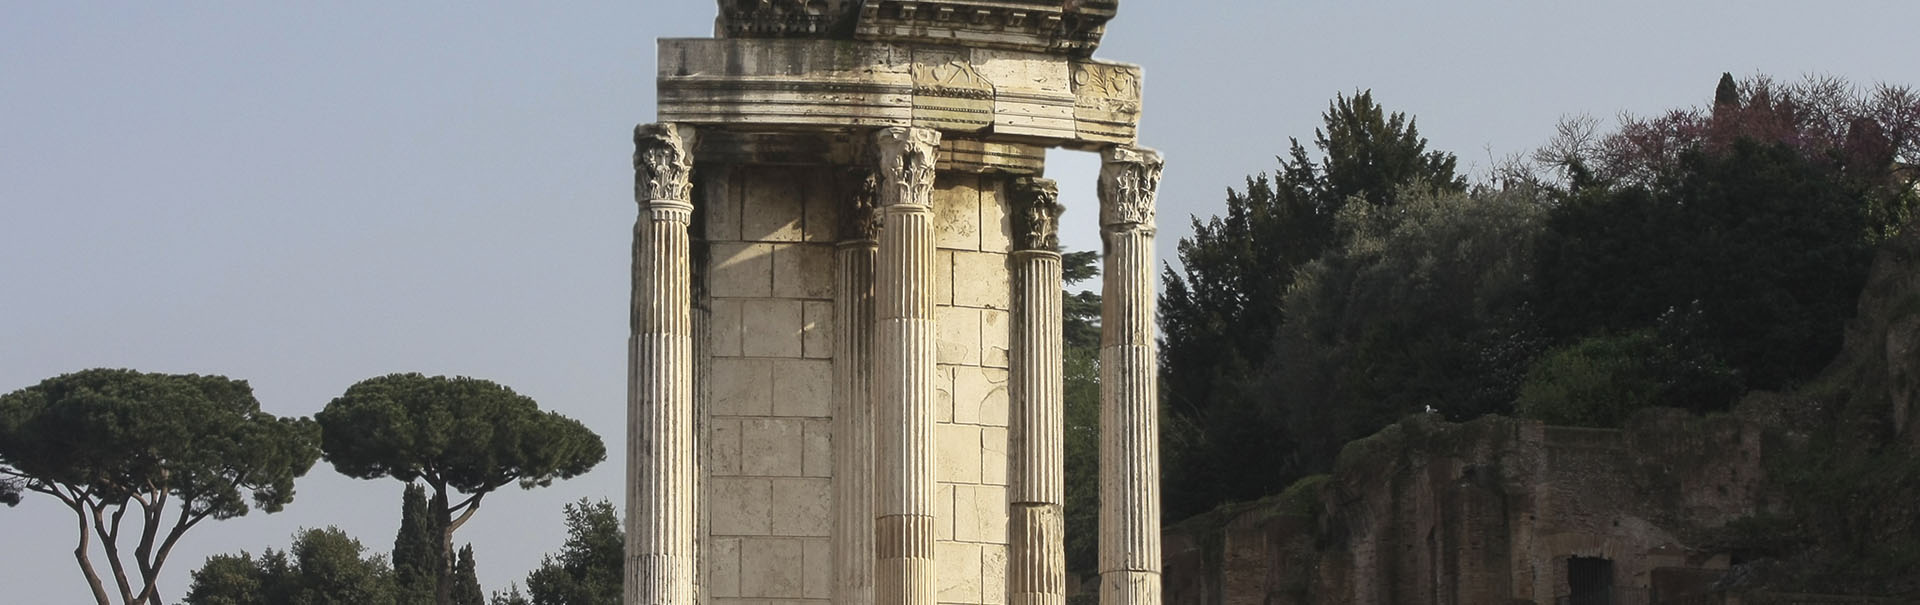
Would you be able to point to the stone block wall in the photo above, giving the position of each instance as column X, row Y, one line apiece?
column 1488, row 511
column 767, row 421
column 973, row 235
column 770, row 235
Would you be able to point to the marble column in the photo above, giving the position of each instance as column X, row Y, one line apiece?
column 1129, row 431
column 1037, row 561
column 903, row 366
column 661, row 516
column 853, row 552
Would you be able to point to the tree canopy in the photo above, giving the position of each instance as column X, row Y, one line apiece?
column 1221, row 310
column 453, row 434
column 588, row 568
column 1678, row 260
column 162, row 452
column 323, row 567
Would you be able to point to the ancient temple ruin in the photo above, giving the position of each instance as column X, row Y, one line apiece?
column 845, row 355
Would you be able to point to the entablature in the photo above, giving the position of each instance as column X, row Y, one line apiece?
column 1032, row 98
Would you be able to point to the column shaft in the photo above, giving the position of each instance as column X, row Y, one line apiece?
column 660, row 424
column 1129, row 431
column 1036, row 531
column 903, row 388
column 853, row 477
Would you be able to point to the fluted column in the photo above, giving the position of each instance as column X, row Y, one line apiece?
column 1129, row 431
column 903, row 367
column 660, row 424
column 1037, row 561
column 853, row 552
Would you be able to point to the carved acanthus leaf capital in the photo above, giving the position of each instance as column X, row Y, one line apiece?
column 662, row 162
column 906, row 158
column 1129, row 179
column 1036, row 213
column 860, row 221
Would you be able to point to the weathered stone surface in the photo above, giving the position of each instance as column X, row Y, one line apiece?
column 965, row 92
column 741, row 387
column 804, row 509
column 904, row 368
column 741, row 506
column 741, row 270
column 1482, row 512
column 723, row 567
column 1064, row 27
column 959, row 335
column 770, row 447
column 661, row 560
column 857, row 241
column 817, row 329
column 1129, row 394
column 803, row 388
column 986, row 280
column 958, row 453
column 803, row 271
column 776, row 568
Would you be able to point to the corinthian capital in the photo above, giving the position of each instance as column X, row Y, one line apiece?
column 662, row 162
column 906, row 161
column 861, row 219
column 1036, row 214
column 1129, row 178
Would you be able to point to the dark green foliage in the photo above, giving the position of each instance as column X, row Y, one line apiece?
column 1081, row 310
column 466, row 581
column 510, row 596
column 466, row 434
column 1220, row 313
column 227, row 580
column 416, row 548
column 324, row 567
column 1419, row 310
column 1602, row 380
column 166, row 451
column 588, row 567
column 454, row 434
column 1759, row 252
column 1597, row 382
column 1726, row 94
column 1081, row 384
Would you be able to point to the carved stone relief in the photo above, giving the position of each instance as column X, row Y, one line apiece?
column 662, row 162
column 906, row 158
column 1036, row 214
column 783, row 18
column 861, row 220
column 1129, row 178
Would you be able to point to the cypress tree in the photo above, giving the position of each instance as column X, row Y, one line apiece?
column 416, row 549
column 1727, row 94
column 466, row 583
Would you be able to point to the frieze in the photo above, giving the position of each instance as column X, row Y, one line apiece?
column 1107, row 81
column 953, row 78
column 1004, row 95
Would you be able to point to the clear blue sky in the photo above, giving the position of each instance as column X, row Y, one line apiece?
column 304, row 195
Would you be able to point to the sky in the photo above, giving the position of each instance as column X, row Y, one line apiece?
column 305, row 195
